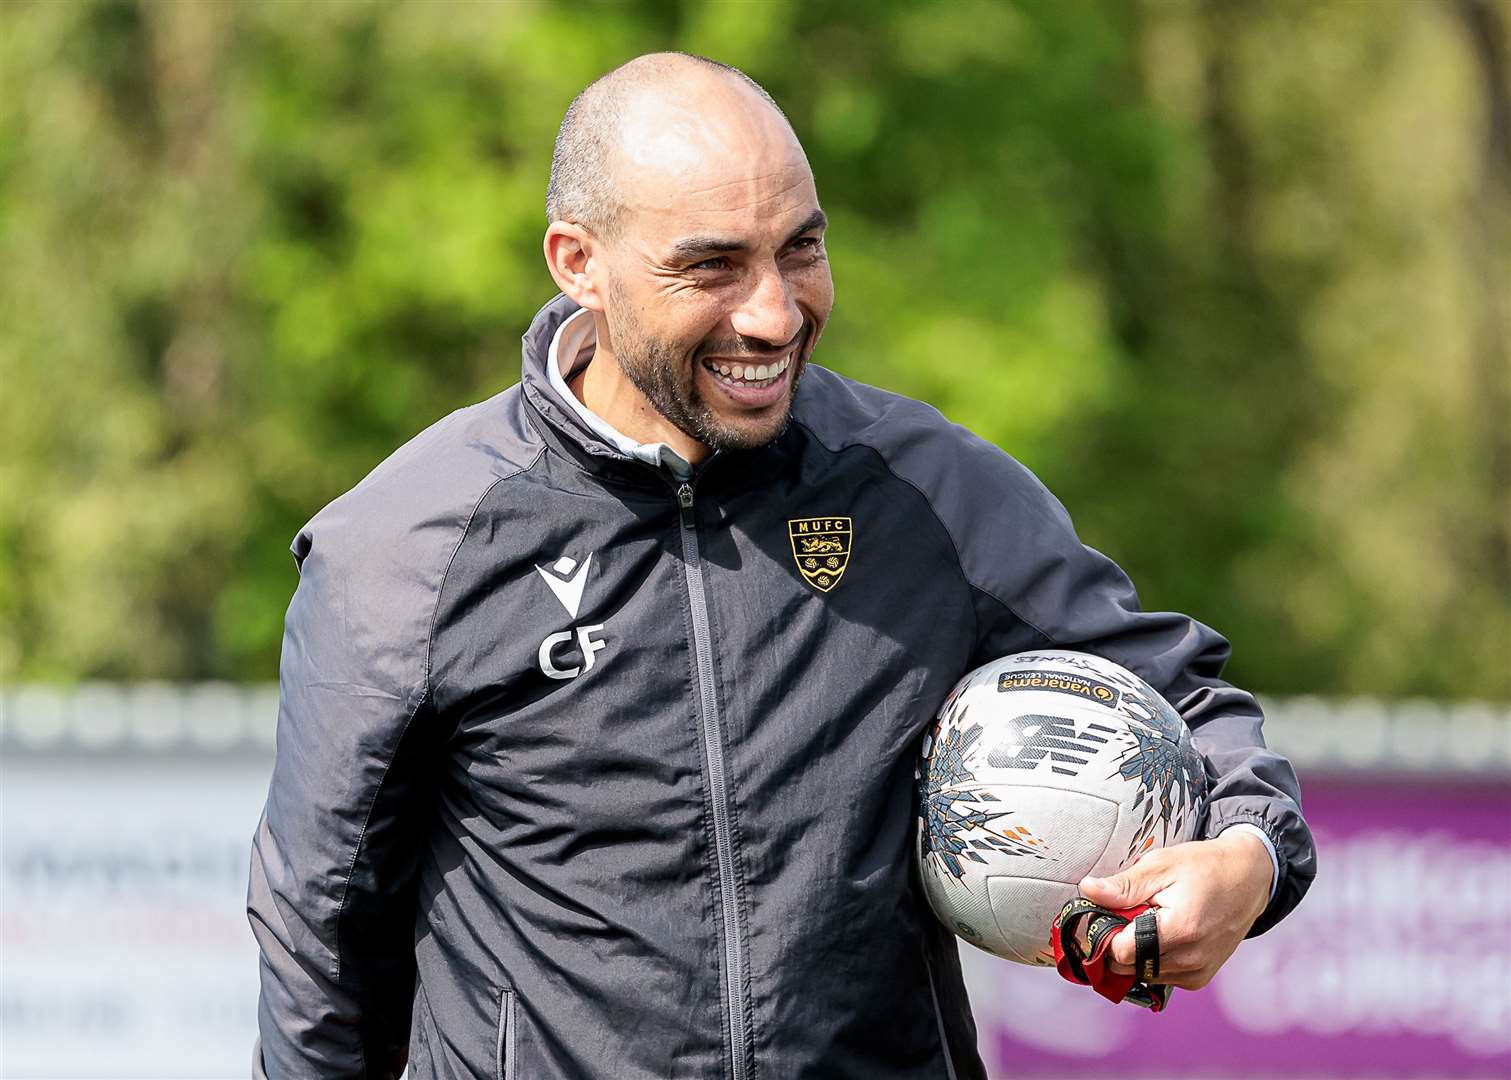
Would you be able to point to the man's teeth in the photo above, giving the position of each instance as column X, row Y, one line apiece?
column 753, row 373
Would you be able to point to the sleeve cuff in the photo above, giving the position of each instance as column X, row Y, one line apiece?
column 1269, row 847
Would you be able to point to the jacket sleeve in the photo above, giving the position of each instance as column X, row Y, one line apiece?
column 331, row 896
column 1036, row 585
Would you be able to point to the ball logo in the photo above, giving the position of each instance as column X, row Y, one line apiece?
column 567, row 579
column 1056, row 741
column 1061, row 682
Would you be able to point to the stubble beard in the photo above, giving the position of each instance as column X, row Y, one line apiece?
column 667, row 377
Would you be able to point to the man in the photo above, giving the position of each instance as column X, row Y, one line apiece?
column 582, row 771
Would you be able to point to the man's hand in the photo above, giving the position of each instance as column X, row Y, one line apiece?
column 1209, row 892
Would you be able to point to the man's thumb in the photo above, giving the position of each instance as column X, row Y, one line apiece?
column 1119, row 891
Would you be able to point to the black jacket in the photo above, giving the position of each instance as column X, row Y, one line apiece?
column 586, row 772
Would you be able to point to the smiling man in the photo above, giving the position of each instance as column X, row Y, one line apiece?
column 601, row 700
column 687, row 227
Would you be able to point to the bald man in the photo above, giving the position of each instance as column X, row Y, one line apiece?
column 601, row 699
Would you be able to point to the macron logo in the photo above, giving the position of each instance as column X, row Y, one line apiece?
column 565, row 584
column 566, row 580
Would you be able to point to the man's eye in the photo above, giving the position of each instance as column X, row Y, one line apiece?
column 719, row 263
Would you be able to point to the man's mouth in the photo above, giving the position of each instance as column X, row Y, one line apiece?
column 748, row 376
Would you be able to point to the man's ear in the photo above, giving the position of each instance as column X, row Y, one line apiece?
column 570, row 256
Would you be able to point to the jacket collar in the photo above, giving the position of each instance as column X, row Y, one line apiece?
column 536, row 385
column 575, row 339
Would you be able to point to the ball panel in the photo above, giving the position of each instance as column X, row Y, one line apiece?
column 1017, row 904
column 965, row 907
column 1071, row 830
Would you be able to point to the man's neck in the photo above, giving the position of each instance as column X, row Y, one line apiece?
column 604, row 389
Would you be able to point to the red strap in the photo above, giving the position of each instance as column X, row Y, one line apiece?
column 1092, row 966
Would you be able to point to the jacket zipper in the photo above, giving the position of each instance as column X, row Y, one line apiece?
column 718, row 789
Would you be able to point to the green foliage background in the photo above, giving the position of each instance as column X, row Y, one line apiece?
column 1231, row 277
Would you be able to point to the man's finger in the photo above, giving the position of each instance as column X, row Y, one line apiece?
column 1176, row 938
column 1135, row 885
column 1181, row 957
column 1125, row 946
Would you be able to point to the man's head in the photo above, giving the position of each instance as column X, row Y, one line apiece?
column 684, row 216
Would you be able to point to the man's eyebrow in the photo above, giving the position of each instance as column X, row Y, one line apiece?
column 696, row 248
column 815, row 220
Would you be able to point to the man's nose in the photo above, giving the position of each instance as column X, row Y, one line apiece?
column 769, row 313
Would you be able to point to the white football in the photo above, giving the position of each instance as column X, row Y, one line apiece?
column 1043, row 768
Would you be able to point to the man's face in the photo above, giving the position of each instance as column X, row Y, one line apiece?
column 717, row 282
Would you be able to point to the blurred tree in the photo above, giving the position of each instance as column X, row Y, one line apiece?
column 1230, row 276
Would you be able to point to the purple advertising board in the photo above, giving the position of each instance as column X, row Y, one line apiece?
column 1397, row 964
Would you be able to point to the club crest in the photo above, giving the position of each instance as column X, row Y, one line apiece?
column 821, row 548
